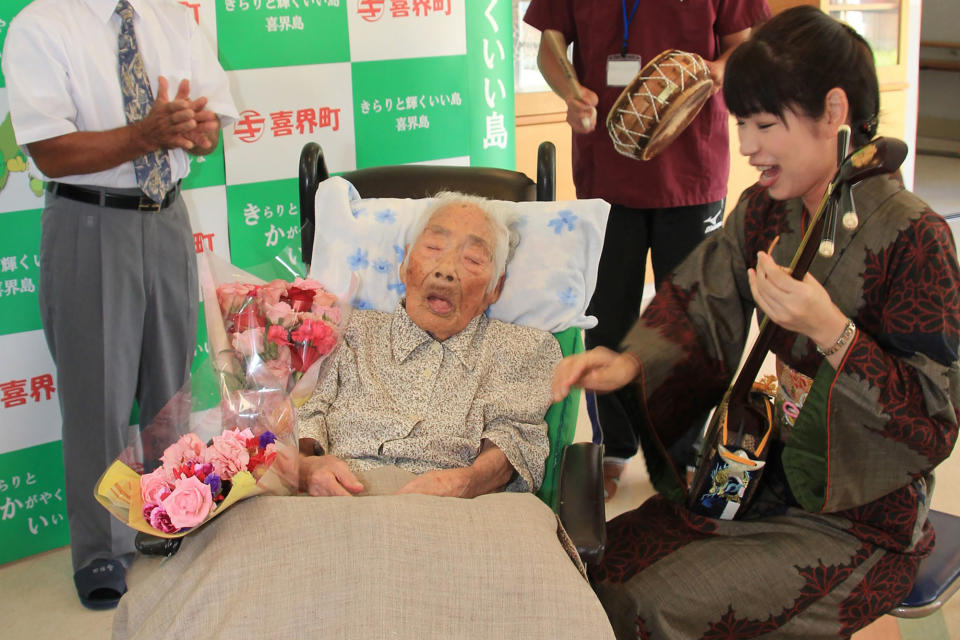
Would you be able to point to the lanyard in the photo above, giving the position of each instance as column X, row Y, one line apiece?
column 627, row 21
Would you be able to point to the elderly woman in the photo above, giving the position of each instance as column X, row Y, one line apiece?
column 437, row 388
column 434, row 398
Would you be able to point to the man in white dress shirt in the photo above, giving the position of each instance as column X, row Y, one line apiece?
column 108, row 98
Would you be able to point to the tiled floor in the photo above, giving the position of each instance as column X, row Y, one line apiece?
column 38, row 600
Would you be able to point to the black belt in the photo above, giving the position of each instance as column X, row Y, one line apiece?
column 115, row 200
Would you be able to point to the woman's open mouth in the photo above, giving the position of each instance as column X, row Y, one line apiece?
column 439, row 304
column 768, row 174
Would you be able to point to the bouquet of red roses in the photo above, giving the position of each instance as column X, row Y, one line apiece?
column 269, row 334
column 268, row 342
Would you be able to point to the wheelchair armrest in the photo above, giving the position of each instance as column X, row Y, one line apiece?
column 580, row 506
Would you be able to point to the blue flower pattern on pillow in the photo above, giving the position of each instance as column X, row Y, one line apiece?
column 358, row 260
column 385, row 217
column 564, row 220
column 568, row 297
column 374, row 248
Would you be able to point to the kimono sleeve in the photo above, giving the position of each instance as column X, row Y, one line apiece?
column 888, row 416
column 690, row 340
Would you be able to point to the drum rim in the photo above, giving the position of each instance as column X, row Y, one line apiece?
column 637, row 151
column 654, row 145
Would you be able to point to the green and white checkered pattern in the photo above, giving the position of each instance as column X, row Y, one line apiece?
column 373, row 81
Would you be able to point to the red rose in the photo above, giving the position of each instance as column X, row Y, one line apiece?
column 299, row 299
column 247, row 318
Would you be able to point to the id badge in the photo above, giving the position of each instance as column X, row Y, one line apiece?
column 621, row 69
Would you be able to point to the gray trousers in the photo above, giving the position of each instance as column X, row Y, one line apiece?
column 118, row 301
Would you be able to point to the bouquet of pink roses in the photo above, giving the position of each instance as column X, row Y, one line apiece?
column 203, row 468
column 194, row 478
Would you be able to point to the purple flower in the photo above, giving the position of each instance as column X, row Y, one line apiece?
column 147, row 510
column 160, row 520
column 266, row 438
column 213, row 481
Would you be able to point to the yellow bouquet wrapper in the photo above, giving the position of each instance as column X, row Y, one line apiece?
column 118, row 490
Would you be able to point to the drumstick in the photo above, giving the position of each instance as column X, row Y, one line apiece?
column 552, row 39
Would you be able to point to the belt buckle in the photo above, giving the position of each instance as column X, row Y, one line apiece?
column 146, row 204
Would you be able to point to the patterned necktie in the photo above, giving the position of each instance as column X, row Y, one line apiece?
column 153, row 169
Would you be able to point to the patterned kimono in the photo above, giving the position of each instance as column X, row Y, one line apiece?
column 833, row 539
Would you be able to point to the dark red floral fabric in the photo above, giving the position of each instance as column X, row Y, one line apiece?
column 890, row 417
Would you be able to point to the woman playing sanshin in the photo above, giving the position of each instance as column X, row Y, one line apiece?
column 866, row 361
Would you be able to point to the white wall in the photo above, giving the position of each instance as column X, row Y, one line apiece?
column 913, row 93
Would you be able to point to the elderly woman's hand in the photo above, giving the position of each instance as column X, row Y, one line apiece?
column 454, row 483
column 491, row 471
column 599, row 369
column 327, row 476
column 803, row 306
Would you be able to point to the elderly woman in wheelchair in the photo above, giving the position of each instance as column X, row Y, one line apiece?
column 436, row 387
column 436, row 399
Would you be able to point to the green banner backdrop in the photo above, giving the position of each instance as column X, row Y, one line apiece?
column 373, row 81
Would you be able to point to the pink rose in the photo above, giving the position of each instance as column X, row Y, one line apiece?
column 154, row 486
column 189, row 503
column 228, row 453
column 280, row 313
column 188, row 448
column 307, row 283
column 327, row 313
column 271, row 292
column 281, row 366
column 249, row 342
column 232, row 294
column 273, row 373
column 237, row 434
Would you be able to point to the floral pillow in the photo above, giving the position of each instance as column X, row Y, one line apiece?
column 549, row 281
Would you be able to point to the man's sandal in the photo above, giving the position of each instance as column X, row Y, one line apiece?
column 101, row 584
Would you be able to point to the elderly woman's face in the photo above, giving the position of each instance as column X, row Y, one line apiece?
column 449, row 269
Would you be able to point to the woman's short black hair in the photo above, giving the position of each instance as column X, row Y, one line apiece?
column 793, row 60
